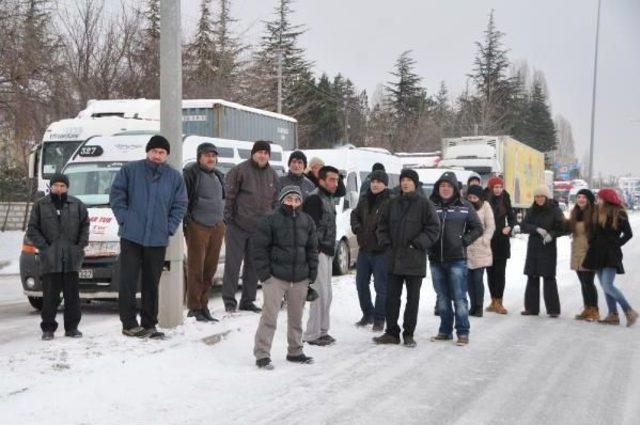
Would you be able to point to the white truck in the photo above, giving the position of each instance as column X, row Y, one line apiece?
column 521, row 166
column 91, row 171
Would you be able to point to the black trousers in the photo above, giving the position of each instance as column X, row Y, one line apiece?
column 394, row 295
column 496, row 277
column 133, row 258
column 551, row 297
column 589, row 291
column 53, row 284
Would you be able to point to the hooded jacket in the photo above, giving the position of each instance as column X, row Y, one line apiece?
column 459, row 223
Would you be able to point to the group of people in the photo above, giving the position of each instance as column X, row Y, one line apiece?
column 281, row 231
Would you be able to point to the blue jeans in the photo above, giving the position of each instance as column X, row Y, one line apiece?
column 377, row 264
column 612, row 294
column 475, row 284
column 450, row 282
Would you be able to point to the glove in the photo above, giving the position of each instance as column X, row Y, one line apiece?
column 547, row 239
column 516, row 230
column 312, row 295
column 543, row 233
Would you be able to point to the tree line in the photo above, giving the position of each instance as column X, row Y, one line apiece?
column 55, row 60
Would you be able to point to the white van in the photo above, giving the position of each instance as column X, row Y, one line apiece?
column 354, row 165
column 91, row 171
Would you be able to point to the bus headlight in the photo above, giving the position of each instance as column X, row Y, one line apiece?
column 30, row 282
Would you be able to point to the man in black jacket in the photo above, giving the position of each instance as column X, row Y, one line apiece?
column 59, row 228
column 286, row 260
column 295, row 176
column 203, row 228
column 459, row 227
column 409, row 225
column 372, row 257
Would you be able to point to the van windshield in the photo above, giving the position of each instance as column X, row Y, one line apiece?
column 91, row 182
column 55, row 155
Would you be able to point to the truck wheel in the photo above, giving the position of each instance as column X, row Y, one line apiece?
column 341, row 260
column 36, row 302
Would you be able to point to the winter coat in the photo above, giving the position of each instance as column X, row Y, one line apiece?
column 409, row 225
column 60, row 239
column 365, row 219
column 306, row 186
column 479, row 253
column 148, row 201
column 251, row 193
column 312, row 178
column 579, row 246
column 285, row 246
column 504, row 216
column 192, row 175
column 605, row 245
column 320, row 205
column 459, row 225
column 542, row 258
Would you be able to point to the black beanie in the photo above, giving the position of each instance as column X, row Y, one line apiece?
column 473, row 178
column 407, row 172
column 379, row 175
column 261, row 145
column 158, row 142
column 298, row 155
column 206, row 147
column 59, row 178
column 378, row 166
column 589, row 194
column 475, row 189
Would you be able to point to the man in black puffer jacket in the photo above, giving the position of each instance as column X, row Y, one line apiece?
column 285, row 256
column 409, row 225
column 459, row 228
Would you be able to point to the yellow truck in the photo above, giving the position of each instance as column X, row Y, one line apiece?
column 521, row 166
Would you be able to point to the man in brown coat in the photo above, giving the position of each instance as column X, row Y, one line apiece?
column 250, row 194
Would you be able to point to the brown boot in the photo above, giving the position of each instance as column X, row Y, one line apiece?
column 492, row 306
column 611, row 319
column 632, row 317
column 592, row 314
column 583, row 315
column 499, row 307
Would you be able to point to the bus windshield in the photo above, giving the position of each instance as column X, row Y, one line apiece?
column 55, row 155
column 91, row 182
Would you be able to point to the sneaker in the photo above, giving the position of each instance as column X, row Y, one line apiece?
column 230, row 308
column 319, row 342
column 47, row 335
column 328, row 338
column 153, row 333
column 198, row 314
column 250, row 307
column 441, row 337
column 378, row 326
column 264, row 363
column 528, row 313
column 136, row 331
column 207, row 314
column 301, row 358
column 409, row 341
column 611, row 319
column 462, row 340
column 365, row 321
column 74, row 333
column 386, row 338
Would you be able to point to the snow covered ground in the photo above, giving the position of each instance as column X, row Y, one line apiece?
column 517, row 370
column 10, row 243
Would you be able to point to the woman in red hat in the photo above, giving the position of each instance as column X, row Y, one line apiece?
column 505, row 219
column 610, row 231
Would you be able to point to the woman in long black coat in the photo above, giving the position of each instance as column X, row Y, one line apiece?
column 544, row 223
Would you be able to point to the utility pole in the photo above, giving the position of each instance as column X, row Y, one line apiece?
column 593, row 99
column 170, row 309
column 279, row 81
column 346, row 121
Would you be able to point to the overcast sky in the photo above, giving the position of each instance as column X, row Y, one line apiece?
column 362, row 39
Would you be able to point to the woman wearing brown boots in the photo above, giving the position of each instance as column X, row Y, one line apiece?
column 580, row 224
column 610, row 231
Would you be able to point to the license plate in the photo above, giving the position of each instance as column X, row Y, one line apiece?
column 86, row 274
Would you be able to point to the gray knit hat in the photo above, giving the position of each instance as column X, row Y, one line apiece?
column 290, row 189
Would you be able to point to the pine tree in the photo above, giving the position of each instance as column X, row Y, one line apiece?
column 200, row 57
column 144, row 55
column 540, row 132
column 228, row 49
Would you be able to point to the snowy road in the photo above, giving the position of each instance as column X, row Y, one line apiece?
column 517, row 370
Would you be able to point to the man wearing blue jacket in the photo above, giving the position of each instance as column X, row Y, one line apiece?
column 149, row 199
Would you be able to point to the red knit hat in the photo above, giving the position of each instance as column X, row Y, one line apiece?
column 610, row 195
column 495, row 181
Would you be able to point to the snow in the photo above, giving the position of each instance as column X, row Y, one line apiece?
column 517, row 370
column 10, row 245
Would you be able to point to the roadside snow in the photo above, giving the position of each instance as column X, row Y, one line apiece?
column 10, row 243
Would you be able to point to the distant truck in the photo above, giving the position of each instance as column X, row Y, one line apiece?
column 201, row 117
column 521, row 166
